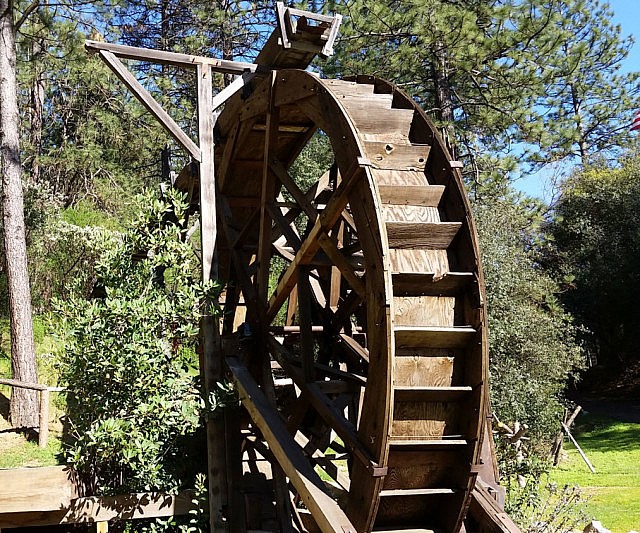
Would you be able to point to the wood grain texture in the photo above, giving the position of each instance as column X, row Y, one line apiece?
column 419, row 261
column 409, row 213
column 435, row 337
column 105, row 508
column 402, row 178
column 424, row 371
column 419, row 195
column 425, row 420
column 37, row 489
column 424, row 310
column 430, row 235
column 396, row 156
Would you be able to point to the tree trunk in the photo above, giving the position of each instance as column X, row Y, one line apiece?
column 443, row 95
column 24, row 405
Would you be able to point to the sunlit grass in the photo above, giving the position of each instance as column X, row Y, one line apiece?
column 29, row 454
column 614, row 449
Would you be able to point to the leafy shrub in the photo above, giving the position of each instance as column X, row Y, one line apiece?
column 532, row 340
column 536, row 505
column 130, row 358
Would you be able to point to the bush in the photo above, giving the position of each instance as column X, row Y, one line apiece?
column 130, row 359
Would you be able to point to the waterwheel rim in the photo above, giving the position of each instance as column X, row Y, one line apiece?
column 404, row 440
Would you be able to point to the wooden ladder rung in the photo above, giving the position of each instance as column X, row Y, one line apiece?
column 430, row 394
column 417, row 195
column 428, row 284
column 433, row 337
column 424, row 235
column 415, row 492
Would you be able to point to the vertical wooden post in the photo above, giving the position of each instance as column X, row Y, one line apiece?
column 211, row 363
column 306, row 322
column 43, row 429
column 102, row 527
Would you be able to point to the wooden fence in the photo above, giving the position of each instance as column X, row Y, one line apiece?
column 43, row 419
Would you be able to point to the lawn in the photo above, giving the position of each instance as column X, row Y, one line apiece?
column 614, row 450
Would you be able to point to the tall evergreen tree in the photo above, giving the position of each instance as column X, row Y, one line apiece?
column 588, row 102
column 24, row 407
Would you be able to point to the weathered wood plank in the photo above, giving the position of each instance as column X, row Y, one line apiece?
column 37, row 489
column 170, row 58
column 432, row 235
column 433, row 337
column 326, row 512
column 428, row 284
column 103, row 509
column 396, row 156
column 419, row 195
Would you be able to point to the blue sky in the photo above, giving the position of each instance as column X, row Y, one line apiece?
column 627, row 15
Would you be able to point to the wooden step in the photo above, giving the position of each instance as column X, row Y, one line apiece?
column 422, row 235
column 415, row 492
column 383, row 125
column 348, row 88
column 393, row 156
column 433, row 337
column 401, row 443
column 365, row 102
column 428, row 284
column 430, row 394
column 425, row 195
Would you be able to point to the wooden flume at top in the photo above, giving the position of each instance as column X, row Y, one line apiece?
column 354, row 321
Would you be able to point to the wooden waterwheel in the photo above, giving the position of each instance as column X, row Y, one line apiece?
column 353, row 321
column 356, row 304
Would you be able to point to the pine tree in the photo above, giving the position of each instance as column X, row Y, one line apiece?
column 588, row 102
column 24, row 407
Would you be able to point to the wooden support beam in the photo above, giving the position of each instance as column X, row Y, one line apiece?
column 150, row 103
column 232, row 89
column 326, row 512
column 161, row 57
column 211, row 363
column 325, row 408
column 575, row 443
column 43, row 430
column 306, row 322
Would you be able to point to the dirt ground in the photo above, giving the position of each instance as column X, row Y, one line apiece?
column 9, row 437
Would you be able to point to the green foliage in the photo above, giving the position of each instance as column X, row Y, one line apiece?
column 535, row 503
column 533, row 348
column 129, row 359
column 513, row 76
column 596, row 249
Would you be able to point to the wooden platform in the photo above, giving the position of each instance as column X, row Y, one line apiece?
column 48, row 496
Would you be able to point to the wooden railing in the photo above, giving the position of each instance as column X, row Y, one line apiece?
column 43, row 419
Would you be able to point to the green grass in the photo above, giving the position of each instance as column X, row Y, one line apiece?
column 28, row 454
column 614, row 450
